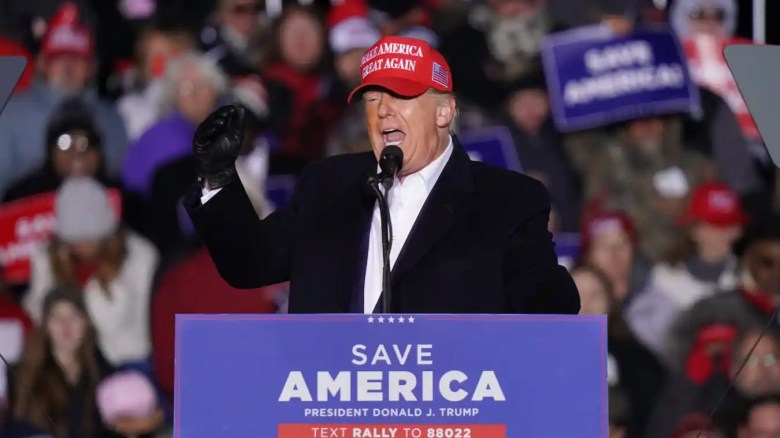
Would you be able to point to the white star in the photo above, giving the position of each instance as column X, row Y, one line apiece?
column 410, row 319
column 401, row 319
column 391, row 320
column 381, row 319
column 370, row 319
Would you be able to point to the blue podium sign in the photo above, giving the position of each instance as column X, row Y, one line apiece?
column 391, row 376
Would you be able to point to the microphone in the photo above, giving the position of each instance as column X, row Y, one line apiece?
column 390, row 161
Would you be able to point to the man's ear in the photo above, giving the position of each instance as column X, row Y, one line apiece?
column 445, row 112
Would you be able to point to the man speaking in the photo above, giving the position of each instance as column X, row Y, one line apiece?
column 467, row 237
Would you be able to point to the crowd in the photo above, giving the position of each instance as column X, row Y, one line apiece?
column 677, row 214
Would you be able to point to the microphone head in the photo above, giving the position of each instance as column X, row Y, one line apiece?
column 391, row 160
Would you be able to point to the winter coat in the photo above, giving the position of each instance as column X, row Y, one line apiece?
column 23, row 131
column 194, row 286
column 121, row 318
column 670, row 291
column 166, row 141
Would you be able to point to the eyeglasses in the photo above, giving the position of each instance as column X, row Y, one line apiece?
column 768, row 262
column 765, row 361
column 78, row 143
column 248, row 9
column 708, row 14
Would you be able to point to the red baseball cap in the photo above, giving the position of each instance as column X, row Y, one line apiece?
column 406, row 66
column 67, row 35
column 716, row 204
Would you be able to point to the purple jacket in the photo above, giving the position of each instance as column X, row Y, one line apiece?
column 167, row 140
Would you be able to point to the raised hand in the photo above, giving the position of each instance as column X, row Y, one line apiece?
column 217, row 144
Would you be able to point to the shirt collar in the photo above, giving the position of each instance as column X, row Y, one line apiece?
column 431, row 172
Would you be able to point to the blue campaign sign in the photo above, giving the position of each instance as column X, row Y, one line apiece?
column 492, row 145
column 391, row 376
column 596, row 77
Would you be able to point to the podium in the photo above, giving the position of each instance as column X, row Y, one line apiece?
column 391, row 376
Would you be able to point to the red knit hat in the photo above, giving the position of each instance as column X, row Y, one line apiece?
column 350, row 27
column 604, row 221
column 346, row 9
column 67, row 35
column 406, row 66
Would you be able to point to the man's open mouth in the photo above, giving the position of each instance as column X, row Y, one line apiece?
column 393, row 137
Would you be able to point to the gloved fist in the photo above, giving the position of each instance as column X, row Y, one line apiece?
column 217, row 144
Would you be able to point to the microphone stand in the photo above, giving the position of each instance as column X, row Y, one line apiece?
column 387, row 240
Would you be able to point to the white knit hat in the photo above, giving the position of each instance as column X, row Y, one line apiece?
column 353, row 33
column 83, row 211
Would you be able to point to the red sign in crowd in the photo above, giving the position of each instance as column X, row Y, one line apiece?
column 26, row 223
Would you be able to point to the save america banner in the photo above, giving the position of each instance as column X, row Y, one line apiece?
column 391, row 376
column 596, row 77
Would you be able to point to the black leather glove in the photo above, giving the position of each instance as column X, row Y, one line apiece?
column 217, row 144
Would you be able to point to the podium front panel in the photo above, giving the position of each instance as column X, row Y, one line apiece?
column 390, row 376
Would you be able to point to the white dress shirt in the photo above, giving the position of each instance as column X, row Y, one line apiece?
column 405, row 201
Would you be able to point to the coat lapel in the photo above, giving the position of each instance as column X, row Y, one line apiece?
column 354, row 229
column 444, row 204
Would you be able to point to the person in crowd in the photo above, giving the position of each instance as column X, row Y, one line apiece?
column 644, row 169
column 74, row 148
column 762, row 418
column 168, row 225
column 608, row 243
column 705, row 27
column 351, row 34
column 498, row 43
column 641, row 374
column 701, row 265
column 66, row 65
column 698, row 345
column 60, row 369
column 159, row 43
column 727, row 130
column 10, row 426
column 703, row 372
column 193, row 87
column 114, row 267
column 329, row 213
column 761, row 374
column 539, row 147
column 233, row 36
column 301, row 91
column 753, row 301
column 193, row 285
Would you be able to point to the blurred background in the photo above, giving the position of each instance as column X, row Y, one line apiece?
column 666, row 217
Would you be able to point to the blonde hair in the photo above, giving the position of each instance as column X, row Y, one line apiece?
column 454, row 123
